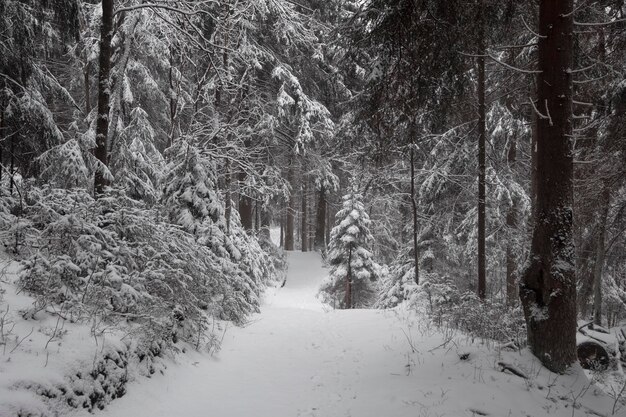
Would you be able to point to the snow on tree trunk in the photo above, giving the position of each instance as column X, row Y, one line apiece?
column 101, row 179
column 548, row 291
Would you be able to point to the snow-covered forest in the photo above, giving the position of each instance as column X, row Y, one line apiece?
column 316, row 208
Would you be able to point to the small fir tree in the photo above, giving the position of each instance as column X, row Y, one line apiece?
column 353, row 272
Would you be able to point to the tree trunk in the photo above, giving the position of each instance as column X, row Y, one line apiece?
column 291, row 209
column 548, row 291
column 265, row 222
column 511, row 223
column 228, row 211
column 104, row 95
column 348, row 295
column 12, row 165
column 599, row 258
column 416, row 254
column 1, row 146
column 320, row 221
column 482, row 274
column 245, row 205
column 86, row 71
column 304, row 230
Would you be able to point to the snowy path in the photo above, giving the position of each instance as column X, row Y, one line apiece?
column 295, row 359
column 292, row 360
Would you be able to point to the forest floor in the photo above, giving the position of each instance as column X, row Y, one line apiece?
column 298, row 358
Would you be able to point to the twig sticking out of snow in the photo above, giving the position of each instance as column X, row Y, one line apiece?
column 512, row 369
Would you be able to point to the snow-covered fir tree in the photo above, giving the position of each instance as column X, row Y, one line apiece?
column 353, row 272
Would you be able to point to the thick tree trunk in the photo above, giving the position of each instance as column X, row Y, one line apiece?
column 416, row 253
column 320, row 221
column 291, row 210
column 482, row 274
column 245, row 205
column 511, row 223
column 104, row 95
column 599, row 258
column 548, row 291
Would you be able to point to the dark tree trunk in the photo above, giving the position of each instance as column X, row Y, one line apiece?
column 320, row 221
column 482, row 275
column 282, row 229
column 329, row 223
column 511, row 223
column 348, row 295
column 104, row 95
column 416, row 253
column 245, row 205
column 265, row 222
column 599, row 258
column 1, row 146
column 291, row 209
column 228, row 211
column 548, row 291
column 304, row 229
column 86, row 71
column 12, row 165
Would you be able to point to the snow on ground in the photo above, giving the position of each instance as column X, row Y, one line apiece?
column 297, row 358
column 38, row 351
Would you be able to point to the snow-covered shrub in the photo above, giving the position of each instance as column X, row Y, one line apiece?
column 118, row 260
column 488, row 319
column 399, row 284
column 353, row 272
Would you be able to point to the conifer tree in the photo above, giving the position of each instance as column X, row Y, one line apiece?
column 353, row 272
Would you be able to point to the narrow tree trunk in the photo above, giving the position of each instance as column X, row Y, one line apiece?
column 304, row 229
column 348, row 295
column 86, row 71
column 245, row 205
column 320, row 221
column 1, row 146
column 104, row 95
column 291, row 209
column 265, row 222
column 548, row 291
column 12, row 165
column 416, row 256
column 329, row 224
column 511, row 223
column 228, row 212
column 282, row 228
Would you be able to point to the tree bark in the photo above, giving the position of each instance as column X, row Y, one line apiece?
column 304, row 229
column 599, row 258
column 104, row 95
column 482, row 275
column 228, row 211
column 245, row 205
column 291, row 209
column 416, row 256
column 348, row 295
column 548, row 290
column 12, row 165
column 511, row 223
column 320, row 221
